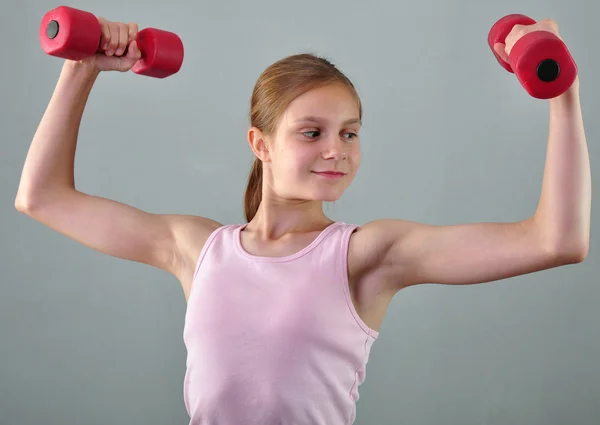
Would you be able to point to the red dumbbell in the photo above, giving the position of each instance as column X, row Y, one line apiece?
column 540, row 60
column 74, row 34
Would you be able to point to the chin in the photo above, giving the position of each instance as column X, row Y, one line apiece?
column 328, row 195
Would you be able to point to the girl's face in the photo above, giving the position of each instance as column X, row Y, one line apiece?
column 315, row 154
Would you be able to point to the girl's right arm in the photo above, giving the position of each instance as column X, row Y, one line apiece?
column 47, row 190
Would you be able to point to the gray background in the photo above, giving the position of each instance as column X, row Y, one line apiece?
column 448, row 137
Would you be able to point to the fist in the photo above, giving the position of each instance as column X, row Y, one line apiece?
column 118, row 48
column 519, row 31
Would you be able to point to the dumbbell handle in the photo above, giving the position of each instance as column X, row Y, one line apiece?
column 74, row 34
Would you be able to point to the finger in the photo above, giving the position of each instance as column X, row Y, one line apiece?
column 553, row 27
column 553, row 24
column 133, row 54
column 514, row 35
column 114, row 38
column 517, row 28
column 123, row 39
column 500, row 49
column 133, row 30
column 104, row 33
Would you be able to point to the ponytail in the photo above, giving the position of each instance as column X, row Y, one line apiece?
column 254, row 190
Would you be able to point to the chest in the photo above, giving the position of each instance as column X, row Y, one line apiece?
column 367, row 290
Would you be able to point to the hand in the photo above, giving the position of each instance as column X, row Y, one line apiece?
column 519, row 31
column 118, row 49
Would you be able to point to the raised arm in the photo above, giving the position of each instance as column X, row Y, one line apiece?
column 47, row 190
column 557, row 234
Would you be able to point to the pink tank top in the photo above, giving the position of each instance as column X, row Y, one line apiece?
column 274, row 340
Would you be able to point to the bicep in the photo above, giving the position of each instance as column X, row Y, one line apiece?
column 114, row 228
column 462, row 254
column 471, row 253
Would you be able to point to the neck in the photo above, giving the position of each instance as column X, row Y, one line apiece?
column 275, row 219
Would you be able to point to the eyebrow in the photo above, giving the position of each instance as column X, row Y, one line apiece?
column 317, row 120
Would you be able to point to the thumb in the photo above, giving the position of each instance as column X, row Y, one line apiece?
column 133, row 54
column 500, row 49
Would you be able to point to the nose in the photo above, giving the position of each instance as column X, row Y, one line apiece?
column 336, row 155
column 334, row 150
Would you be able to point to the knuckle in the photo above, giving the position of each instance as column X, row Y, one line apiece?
column 133, row 29
column 104, row 26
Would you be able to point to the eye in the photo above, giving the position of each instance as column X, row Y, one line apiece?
column 308, row 134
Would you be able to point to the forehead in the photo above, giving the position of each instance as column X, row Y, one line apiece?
column 334, row 104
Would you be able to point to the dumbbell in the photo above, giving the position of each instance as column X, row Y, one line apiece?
column 540, row 60
column 74, row 34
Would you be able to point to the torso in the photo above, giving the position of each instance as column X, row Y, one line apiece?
column 367, row 289
column 370, row 296
column 370, row 304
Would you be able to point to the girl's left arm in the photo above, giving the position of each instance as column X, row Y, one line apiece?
column 557, row 234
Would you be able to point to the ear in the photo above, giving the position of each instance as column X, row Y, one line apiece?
column 259, row 144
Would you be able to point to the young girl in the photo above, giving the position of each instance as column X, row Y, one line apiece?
column 283, row 310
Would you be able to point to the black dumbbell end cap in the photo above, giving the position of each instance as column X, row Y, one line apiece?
column 548, row 70
column 52, row 29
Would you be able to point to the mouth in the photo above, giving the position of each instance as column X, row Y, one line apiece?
column 330, row 174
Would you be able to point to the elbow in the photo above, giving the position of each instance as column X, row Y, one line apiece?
column 32, row 201
column 23, row 204
column 571, row 252
column 26, row 203
column 579, row 255
column 569, row 245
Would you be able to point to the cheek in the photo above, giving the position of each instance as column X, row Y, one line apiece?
column 355, row 155
column 306, row 158
column 298, row 160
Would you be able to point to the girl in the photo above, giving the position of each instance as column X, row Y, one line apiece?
column 283, row 310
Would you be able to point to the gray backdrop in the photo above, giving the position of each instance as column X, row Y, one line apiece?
column 448, row 137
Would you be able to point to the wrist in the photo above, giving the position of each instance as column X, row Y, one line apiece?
column 80, row 69
column 76, row 78
column 570, row 96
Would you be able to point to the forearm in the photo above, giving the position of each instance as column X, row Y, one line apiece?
column 50, row 161
column 563, row 214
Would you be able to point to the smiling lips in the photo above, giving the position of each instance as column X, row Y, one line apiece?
column 330, row 174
